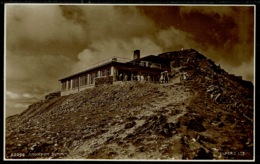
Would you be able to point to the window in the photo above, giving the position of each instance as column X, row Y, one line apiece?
column 69, row 84
column 63, row 85
column 82, row 81
column 105, row 72
column 92, row 77
column 86, row 79
column 75, row 83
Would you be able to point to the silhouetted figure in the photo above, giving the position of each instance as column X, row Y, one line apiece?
column 166, row 76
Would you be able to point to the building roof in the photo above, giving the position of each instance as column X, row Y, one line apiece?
column 86, row 70
column 118, row 60
column 154, row 59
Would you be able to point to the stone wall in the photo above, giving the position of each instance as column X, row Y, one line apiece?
column 104, row 80
column 52, row 95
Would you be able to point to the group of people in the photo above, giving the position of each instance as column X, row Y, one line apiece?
column 133, row 77
column 164, row 77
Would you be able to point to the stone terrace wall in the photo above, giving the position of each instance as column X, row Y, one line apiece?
column 104, row 80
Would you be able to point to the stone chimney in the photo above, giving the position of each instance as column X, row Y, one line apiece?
column 136, row 54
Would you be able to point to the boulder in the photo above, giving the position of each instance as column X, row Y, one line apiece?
column 203, row 153
column 196, row 124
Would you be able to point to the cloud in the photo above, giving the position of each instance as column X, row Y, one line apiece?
column 40, row 23
column 174, row 39
column 35, row 72
column 231, row 29
column 116, row 22
column 20, row 106
column 219, row 10
column 106, row 49
column 12, row 95
column 27, row 95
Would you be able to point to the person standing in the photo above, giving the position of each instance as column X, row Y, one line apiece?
column 138, row 78
column 120, row 76
column 142, row 78
column 126, row 77
column 166, row 76
column 162, row 78
column 149, row 78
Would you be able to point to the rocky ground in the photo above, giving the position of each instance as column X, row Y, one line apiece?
column 131, row 121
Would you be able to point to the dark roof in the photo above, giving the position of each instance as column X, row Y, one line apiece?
column 154, row 59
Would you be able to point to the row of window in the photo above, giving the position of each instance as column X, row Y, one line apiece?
column 84, row 79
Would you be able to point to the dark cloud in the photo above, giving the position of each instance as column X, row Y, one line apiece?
column 37, row 28
column 47, row 42
column 212, row 27
column 73, row 13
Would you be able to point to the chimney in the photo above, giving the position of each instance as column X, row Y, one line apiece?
column 136, row 54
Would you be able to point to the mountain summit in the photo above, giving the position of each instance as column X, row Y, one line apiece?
column 203, row 112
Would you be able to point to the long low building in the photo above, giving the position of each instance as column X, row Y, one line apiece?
column 148, row 68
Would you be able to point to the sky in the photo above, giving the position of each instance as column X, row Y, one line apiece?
column 44, row 43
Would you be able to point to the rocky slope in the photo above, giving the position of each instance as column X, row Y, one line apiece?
column 208, row 116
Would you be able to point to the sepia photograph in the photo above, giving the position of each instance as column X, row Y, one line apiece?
column 129, row 82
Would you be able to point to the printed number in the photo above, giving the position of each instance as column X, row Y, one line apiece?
column 17, row 155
